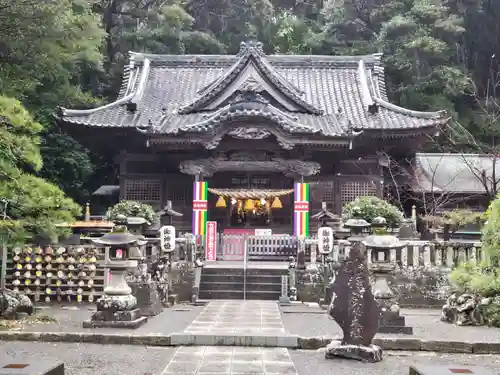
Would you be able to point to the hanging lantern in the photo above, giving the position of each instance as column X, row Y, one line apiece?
column 276, row 203
column 249, row 205
column 221, row 202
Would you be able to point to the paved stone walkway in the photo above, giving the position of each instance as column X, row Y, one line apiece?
column 213, row 360
column 238, row 317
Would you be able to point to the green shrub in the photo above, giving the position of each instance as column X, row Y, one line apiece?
column 483, row 279
column 131, row 209
column 371, row 207
column 491, row 234
column 480, row 280
column 492, row 313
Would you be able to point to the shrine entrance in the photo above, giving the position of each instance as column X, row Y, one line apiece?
column 249, row 222
column 252, row 208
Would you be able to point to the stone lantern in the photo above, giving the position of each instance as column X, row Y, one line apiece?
column 357, row 226
column 117, row 307
column 381, row 267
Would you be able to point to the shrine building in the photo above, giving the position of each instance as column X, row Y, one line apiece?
column 240, row 137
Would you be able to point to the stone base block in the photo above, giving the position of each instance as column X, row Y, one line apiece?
column 116, row 316
column 148, row 300
column 131, row 324
column 371, row 353
column 395, row 329
column 39, row 367
column 284, row 300
column 172, row 299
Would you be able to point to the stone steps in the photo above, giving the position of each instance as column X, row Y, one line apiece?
column 229, row 283
column 271, row 279
column 240, row 286
column 239, row 295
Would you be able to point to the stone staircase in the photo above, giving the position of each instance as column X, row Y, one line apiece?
column 228, row 283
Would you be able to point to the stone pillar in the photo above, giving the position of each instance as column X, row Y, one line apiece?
column 325, row 246
column 301, row 253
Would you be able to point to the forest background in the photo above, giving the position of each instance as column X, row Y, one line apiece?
column 438, row 54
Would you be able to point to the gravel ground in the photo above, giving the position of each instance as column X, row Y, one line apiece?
column 90, row 359
column 69, row 319
column 394, row 363
column 425, row 323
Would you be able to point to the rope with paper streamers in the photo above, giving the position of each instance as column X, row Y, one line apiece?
column 250, row 193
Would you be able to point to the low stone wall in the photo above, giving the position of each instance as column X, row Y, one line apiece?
column 420, row 278
column 413, row 286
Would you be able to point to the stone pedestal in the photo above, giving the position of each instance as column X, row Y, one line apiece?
column 390, row 319
column 117, row 308
column 371, row 353
column 31, row 367
column 148, row 300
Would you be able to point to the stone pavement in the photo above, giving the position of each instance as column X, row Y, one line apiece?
column 239, row 317
column 255, row 324
column 213, row 360
column 96, row 359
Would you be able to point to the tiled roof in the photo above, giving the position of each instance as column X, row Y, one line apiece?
column 454, row 173
column 331, row 95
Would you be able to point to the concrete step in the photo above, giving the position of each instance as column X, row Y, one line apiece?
column 240, row 278
column 220, row 294
column 239, row 286
column 240, row 271
column 239, row 295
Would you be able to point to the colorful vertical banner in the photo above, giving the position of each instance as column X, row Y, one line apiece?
column 301, row 209
column 200, row 207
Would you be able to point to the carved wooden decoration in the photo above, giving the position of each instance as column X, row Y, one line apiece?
column 291, row 168
column 249, row 133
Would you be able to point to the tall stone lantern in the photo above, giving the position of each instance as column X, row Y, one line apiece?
column 117, row 308
column 381, row 245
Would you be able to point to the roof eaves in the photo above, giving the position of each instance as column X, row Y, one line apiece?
column 131, row 95
column 438, row 116
column 231, row 112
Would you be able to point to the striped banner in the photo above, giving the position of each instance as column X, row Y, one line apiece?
column 301, row 209
column 200, row 207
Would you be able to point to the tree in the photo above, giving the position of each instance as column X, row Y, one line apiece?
column 418, row 39
column 31, row 204
column 233, row 21
column 155, row 26
column 475, row 135
column 50, row 56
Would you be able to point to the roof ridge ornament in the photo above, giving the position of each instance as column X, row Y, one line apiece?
column 251, row 47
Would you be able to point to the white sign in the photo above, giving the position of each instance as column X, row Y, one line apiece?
column 263, row 232
column 325, row 240
column 211, row 241
column 167, row 238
